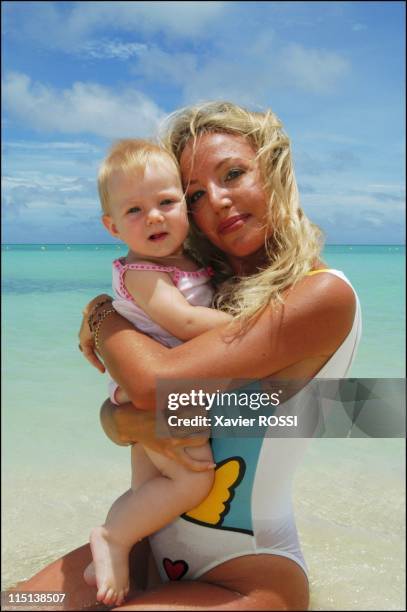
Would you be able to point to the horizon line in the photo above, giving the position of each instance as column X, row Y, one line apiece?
column 122, row 244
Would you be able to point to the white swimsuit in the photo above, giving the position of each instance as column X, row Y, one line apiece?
column 250, row 510
column 194, row 285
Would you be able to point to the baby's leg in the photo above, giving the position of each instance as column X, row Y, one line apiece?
column 109, row 570
column 136, row 514
column 142, row 469
column 179, row 488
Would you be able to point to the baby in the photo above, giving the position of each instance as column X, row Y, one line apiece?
column 161, row 290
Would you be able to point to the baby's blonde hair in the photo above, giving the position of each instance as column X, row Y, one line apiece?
column 128, row 155
column 294, row 243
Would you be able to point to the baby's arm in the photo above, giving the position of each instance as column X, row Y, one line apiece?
column 157, row 295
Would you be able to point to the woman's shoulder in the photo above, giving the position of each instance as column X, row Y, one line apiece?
column 322, row 307
column 330, row 285
column 329, row 289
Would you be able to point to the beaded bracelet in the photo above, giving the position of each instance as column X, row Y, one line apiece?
column 93, row 318
column 98, row 324
column 106, row 298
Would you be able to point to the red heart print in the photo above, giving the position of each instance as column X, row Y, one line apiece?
column 175, row 570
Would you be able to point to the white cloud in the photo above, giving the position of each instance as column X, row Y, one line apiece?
column 312, row 70
column 246, row 66
column 392, row 187
column 84, row 108
column 357, row 27
column 374, row 220
column 345, row 217
column 203, row 77
column 180, row 18
column 46, row 183
column 354, row 203
column 74, row 147
column 68, row 25
column 51, row 207
column 247, row 77
column 38, row 193
column 244, row 82
column 352, row 210
column 214, row 77
column 328, row 137
column 102, row 49
column 159, row 66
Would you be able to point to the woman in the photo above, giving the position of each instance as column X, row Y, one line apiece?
column 295, row 320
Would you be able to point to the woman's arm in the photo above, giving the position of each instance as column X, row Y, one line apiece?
column 86, row 339
column 316, row 317
column 124, row 425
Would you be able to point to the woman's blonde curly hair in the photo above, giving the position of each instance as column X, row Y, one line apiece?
column 294, row 243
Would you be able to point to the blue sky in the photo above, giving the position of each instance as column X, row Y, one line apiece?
column 78, row 75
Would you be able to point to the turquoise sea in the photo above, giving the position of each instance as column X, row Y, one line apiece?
column 60, row 473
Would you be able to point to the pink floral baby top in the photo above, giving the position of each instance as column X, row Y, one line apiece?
column 194, row 286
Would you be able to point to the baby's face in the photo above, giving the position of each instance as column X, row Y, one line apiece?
column 148, row 210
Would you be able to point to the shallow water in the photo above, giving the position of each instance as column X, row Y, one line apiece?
column 350, row 501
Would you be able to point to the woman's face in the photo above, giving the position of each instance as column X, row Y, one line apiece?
column 225, row 193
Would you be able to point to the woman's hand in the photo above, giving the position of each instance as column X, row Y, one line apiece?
column 126, row 425
column 86, row 340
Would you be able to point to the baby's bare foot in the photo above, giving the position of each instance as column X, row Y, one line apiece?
column 111, row 563
column 89, row 575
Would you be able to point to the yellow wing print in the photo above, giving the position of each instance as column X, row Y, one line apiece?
column 228, row 474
